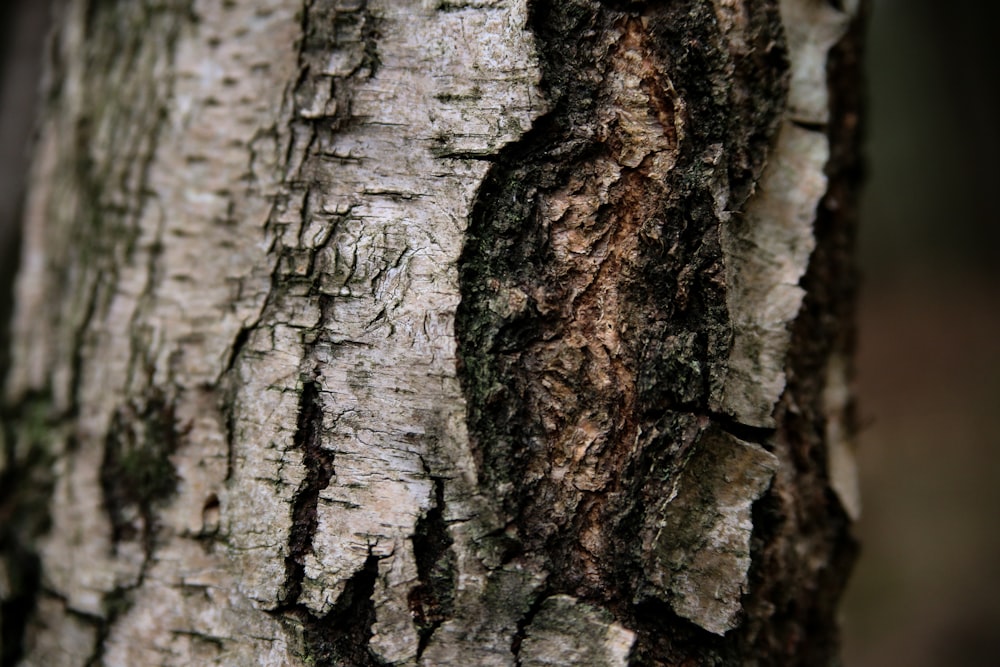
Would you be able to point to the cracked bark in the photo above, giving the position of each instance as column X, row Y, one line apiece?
column 355, row 332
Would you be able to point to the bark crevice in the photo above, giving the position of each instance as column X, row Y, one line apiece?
column 341, row 637
column 318, row 462
column 432, row 601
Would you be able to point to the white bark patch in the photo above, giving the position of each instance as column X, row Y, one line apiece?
column 767, row 252
column 394, row 638
column 566, row 631
column 187, row 614
column 811, row 29
column 78, row 557
column 701, row 550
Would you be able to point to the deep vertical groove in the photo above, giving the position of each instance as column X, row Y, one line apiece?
column 340, row 637
column 319, row 471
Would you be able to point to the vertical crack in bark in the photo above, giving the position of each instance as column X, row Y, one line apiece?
column 432, row 602
column 517, row 641
column 337, row 52
column 339, row 638
column 318, row 462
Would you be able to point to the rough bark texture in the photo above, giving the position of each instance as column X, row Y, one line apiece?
column 364, row 332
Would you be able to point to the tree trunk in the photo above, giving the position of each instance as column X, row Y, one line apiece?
column 491, row 332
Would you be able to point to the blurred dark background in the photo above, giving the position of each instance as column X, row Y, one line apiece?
column 926, row 590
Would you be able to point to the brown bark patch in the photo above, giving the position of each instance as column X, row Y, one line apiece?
column 594, row 318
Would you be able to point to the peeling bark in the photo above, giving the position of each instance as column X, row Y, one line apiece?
column 357, row 332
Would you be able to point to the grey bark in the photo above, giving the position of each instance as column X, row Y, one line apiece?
column 357, row 332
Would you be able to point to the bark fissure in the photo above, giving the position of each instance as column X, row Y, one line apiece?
column 341, row 637
column 760, row 435
column 319, row 471
column 517, row 642
column 432, row 601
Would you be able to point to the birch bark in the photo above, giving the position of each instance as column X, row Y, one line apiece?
column 492, row 332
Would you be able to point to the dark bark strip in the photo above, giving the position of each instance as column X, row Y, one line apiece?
column 593, row 325
column 433, row 600
column 319, row 471
column 340, row 638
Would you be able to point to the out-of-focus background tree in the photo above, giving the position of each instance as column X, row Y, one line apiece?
column 926, row 591
column 23, row 25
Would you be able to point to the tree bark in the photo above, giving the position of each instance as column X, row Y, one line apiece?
column 493, row 332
